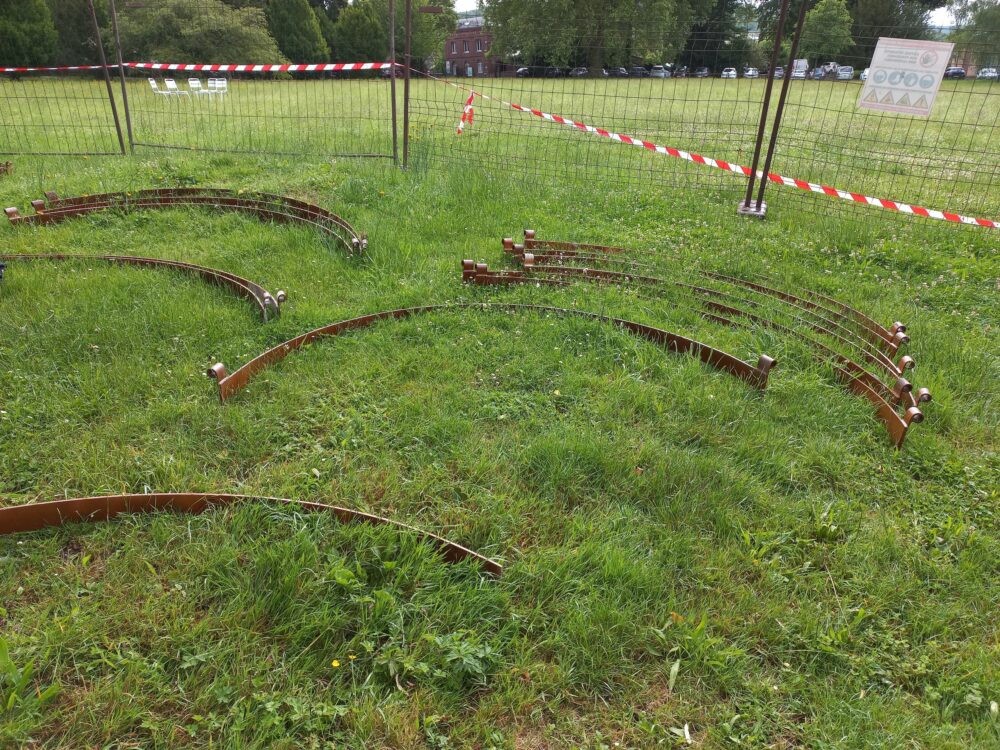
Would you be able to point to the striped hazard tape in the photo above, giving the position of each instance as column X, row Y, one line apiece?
column 906, row 208
column 207, row 68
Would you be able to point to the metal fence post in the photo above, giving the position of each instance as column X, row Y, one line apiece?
column 107, row 77
column 408, row 36
column 781, row 102
column 392, row 79
column 121, row 75
column 759, row 210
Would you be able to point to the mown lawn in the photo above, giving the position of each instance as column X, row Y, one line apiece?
column 687, row 560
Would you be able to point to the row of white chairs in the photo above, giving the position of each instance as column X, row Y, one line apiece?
column 215, row 86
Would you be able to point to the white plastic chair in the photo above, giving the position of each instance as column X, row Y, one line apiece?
column 194, row 84
column 218, row 85
column 157, row 89
column 172, row 87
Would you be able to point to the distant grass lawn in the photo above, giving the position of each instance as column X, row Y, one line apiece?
column 685, row 556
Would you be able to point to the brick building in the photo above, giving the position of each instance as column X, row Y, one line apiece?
column 466, row 53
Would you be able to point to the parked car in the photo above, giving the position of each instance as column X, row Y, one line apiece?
column 523, row 72
column 554, row 72
column 681, row 72
column 637, row 71
column 751, row 73
column 702, row 72
column 728, row 73
column 779, row 73
column 659, row 71
column 616, row 73
column 988, row 74
column 579, row 73
column 864, row 75
column 845, row 73
column 955, row 72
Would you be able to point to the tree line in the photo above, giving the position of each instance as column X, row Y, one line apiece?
column 61, row 32
column 591, row 33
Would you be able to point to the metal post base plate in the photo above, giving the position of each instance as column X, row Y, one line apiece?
column 751, row 210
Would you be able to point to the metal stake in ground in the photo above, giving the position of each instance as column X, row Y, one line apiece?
column 392, row 79
column 121, row 75
column 107, row 77
column 408, row 60
column 744, row 207
column 781, row 103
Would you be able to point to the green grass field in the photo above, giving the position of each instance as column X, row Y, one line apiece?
column 688, row 561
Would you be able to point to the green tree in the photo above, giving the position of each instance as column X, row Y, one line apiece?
column 362, row 33
column 295, row 27
column 77, row 43
column 979, row 32
column 827, row 31
column 592, row 32
column 27, row 34
column 196, row 31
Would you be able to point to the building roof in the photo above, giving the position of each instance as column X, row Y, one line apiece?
column 472, row 22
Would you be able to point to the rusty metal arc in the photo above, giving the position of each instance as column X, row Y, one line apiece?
column 757, row 376
column 265, row 206
column 16, row 519
column 268, row 304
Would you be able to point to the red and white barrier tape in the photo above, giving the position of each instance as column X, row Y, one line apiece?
column 813, row 187
column 467, row 113
column 202, row 67
column 290, row 68
column 60, row 68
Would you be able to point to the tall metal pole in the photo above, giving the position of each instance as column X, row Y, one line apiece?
column 781, row 101
column 407, row 59
column 107, row 77
column 392, row 79
column 782, row 15
column 121, row 76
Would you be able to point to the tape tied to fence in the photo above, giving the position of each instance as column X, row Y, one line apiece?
column 222, row 68
column 707, row 161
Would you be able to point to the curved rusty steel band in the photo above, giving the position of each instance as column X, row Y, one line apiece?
column 854, row 376
column 15, row 519
column 900, row 390
column 892, row 337
column 263, row 205
column 232, row 383
column 269, row 304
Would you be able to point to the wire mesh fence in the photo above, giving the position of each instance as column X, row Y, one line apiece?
column 703, row 95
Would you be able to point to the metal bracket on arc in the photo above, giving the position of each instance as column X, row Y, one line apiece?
column 15, row 519
column 757, row 376
column 268, row 304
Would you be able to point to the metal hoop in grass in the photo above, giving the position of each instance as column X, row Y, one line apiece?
column 232, row 383
column 16, row 519
column 263, row 205
column 268, row 304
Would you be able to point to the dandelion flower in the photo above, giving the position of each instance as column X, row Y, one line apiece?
column 335, row 663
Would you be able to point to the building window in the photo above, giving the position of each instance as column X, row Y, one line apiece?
column 465, row 45
column 479, row 45
column 454, row 48
column 479, row 68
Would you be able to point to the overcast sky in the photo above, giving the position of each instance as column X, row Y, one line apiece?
column 940, row 17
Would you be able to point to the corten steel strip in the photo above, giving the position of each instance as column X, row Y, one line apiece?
column 16, row 519
column 269, row 304
column 897, row 425
column 874, row 356
column 232, row 383
column 900, row 392
column 892, row 339
column 264, row 205
column 859, row 317
column 278, row 204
